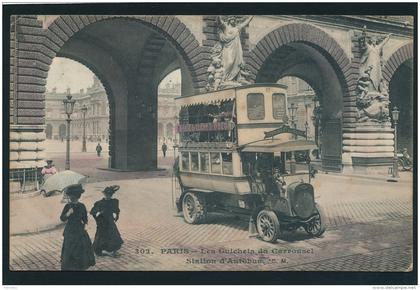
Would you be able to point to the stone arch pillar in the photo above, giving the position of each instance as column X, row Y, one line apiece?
column 367, row 146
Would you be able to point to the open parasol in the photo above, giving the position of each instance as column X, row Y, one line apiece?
column 61, row 180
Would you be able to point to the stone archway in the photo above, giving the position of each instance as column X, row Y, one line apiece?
column 307, row 52
column 401, row 55
column 48, row 131
column 398, row 72
column 62, row 129
column 130, row 72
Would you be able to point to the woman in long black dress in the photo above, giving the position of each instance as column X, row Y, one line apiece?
column 76, row 253
column 106, row 212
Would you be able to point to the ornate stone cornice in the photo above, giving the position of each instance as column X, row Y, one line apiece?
column 374, row 23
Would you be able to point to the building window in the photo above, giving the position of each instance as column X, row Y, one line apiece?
column 216, row 166
column 279, row 106
column 227, row 163
column 185, row 162
column 255, row 105
column 194, row 161
column 204, row 162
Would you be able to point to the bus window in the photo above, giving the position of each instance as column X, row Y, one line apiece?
column 227, row 163
column 185, row 161
column 215, row 163
column 248, row 160
column 194, row 161
column 255, row 105
column 279, row 106
column 204, row 162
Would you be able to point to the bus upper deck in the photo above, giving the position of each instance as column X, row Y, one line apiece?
column 236, row 116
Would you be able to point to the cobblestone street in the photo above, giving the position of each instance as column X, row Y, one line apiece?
column 368, row 230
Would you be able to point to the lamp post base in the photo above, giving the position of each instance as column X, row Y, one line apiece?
column 84, row 146
column 395, row 173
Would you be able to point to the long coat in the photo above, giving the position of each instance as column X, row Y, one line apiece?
column 107, row 236
column 76, row 253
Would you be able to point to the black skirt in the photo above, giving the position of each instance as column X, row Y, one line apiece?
column 107, row 237
column 77, row 253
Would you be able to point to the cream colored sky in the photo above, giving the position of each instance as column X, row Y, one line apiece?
column 65, row 73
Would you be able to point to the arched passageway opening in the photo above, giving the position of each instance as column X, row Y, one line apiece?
column 401, row 96
column 130, row 55
column 90, row 116
column 62, row 132
column 321, row 68
column 303, row 107
column 169, row 88
column 48, row 131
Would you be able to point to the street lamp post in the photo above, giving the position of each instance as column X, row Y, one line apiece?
column 395, row 115
column 292, row 110
column 84, row 110
column 68, row 109
column 307, row 102
column 316, row 121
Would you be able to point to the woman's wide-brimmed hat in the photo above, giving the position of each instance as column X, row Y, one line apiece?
column 74, row 190
column 111, row 189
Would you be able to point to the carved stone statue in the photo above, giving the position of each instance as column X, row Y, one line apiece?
column 372, row 101
column 227, row 68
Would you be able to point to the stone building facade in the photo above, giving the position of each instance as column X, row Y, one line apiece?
column 167, row 112
column 323, row 50
column 97, row 114
column 96, row 118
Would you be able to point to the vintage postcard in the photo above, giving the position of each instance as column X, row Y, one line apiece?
column 211, row 142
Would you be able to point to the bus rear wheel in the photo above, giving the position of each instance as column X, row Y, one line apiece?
column 194, row 208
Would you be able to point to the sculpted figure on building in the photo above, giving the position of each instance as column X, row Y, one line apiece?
column 373, row 98
column 227, row 68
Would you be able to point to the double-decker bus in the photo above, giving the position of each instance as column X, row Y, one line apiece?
column 237, row 153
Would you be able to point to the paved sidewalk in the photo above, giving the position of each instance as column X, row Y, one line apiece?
column 368, row 230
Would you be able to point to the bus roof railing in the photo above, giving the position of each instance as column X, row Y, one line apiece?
column 243, row 87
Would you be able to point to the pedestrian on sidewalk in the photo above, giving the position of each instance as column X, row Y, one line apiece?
column 98, row 149
column 76, row 253
column 106, row 212
column 48, row 170
column 164, row 148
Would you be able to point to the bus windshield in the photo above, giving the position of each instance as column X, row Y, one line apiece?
column 289, row 163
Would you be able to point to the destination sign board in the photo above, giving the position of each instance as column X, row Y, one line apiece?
column 205, row 127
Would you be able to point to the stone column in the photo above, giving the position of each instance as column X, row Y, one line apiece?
column 142, row 131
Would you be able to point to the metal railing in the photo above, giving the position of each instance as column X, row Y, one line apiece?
column 24, row 180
